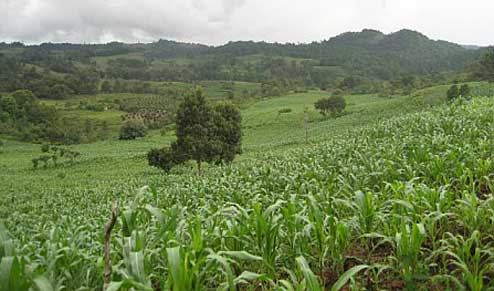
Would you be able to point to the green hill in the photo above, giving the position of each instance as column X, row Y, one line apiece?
column 406, row 201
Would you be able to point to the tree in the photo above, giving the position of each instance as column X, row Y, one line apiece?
column 164, row 159
column 453, row 93
column 59, row 91
column 465, row 91
column 338, row 92
column 106, row 87
column 334, row 105
column 350, row 83
column 486, row 67
column 193, row 123
column 24, row 98
column 132, row 129
column 227, row 132
column 204, row 134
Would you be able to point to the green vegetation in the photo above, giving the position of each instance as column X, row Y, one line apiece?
column 148, row 81
column 23, row 117
column 54, row 155
column 395, row 193
column 204, row 134
column 485, row 69
column 133, row 129
column 363, row 62
column 334, row 105
column 405, row 202
column 454, row 92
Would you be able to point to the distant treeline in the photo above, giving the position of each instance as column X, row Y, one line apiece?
column 367, row 61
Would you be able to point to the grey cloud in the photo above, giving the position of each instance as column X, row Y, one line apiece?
column 218, row 21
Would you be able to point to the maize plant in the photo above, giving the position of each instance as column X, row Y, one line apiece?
column 406, row 202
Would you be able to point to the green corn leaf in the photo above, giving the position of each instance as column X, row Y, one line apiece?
column 177, row 269
column 241, row 255
column 247, row 276
column 115, row 286
column 5, row 270
column 312, row 281
column 43, row 284
column 128, row 284
column 157, row 213
column 137, row 266
column 346, row 276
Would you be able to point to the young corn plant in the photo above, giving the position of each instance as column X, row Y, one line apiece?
column 408, row 248
column 12, row 276
column 227, row 261
column 183, row 273
column 367, row 216
column 267, row 226
column 471, row 259
column 337, row 243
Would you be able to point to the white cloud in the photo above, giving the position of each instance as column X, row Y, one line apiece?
column 218, row 21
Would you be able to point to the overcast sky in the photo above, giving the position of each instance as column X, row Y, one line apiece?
column 219, row 21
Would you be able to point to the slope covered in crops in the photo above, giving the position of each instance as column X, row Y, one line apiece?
column 405, row 203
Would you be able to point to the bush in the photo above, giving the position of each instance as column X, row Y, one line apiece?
column 132, row 130
column 284, row 110
column 338, row 92
column 465, row 91
column 334, row 105
column 161, row 158
column 165, row 158
column 54, row 155
column 452, row 93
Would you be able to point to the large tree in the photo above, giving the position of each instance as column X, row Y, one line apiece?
column 227, row 132
column 193, row 125
column 204, row 134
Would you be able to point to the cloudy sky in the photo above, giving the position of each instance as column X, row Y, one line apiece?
column 218, row 21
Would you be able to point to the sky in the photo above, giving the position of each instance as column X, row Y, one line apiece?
column 216, row 22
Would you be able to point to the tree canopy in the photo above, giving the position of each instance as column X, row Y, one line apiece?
column 334, row 105
column 204, row 134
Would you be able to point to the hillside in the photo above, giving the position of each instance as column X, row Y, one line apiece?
column 369, row 53
column 80, row 82
column 404, row 201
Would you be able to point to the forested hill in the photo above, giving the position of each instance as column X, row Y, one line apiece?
column 368, row 55
column 405, row 51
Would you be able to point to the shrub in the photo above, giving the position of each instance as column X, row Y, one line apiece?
column 132, row 129
column 164, row 159
column 284, row 110
column 230, row 94
column 465, row 91
column 338, row 92
column 54, row 154
column 453, row 93
column 333, row 105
